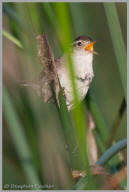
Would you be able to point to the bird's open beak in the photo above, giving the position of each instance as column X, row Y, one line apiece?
column 89, row 46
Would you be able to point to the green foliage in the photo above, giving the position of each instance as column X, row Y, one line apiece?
column 118, row 43
column 19, row 139
column 11, row 38
column 39, row 132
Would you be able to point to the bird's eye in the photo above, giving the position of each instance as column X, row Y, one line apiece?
column 79, row 43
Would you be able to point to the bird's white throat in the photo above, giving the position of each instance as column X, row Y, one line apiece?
column 82, row 61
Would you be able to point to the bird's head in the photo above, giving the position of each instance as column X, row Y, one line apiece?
column 84, row 43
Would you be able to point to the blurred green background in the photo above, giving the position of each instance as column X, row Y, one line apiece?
column 34, row 139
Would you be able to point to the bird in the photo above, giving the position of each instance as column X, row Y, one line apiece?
column 82, row 59
column 56, row 70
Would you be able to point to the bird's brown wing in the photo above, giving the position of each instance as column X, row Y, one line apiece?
column 48, row 75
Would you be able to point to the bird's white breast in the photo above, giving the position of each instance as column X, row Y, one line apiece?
column 82, row 62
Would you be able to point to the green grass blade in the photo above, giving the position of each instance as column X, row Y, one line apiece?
column 66, row 123
column 99, row 121
column 80, row 123
column 116, row 123
column 12, row 38
column 118, row 43
column 19, row 139
column 112, row 151
column 50, row 13
column 99, row 142
column 34, row 17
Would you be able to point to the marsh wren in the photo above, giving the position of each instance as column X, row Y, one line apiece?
column 82, row 57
